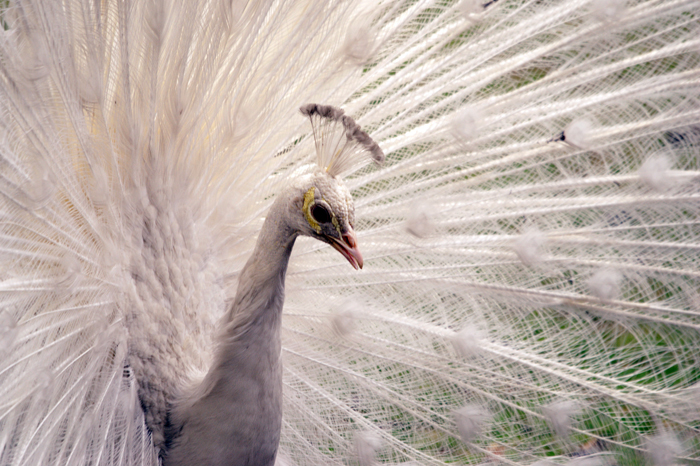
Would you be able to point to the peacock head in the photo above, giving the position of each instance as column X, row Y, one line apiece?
column 327, row 206
column 329, row 215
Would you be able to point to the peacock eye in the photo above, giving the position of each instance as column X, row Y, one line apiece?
column 320, row 214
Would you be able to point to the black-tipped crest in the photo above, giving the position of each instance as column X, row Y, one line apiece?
column 341, row 145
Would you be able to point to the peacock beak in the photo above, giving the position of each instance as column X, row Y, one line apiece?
column 348, row 248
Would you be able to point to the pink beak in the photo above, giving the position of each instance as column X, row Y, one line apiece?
column 348, row 248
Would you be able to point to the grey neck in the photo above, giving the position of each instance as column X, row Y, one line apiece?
column 234, row 417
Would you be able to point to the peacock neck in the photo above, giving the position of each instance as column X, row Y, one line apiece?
column 235, row 416
column 260, row 293
column 251, row 339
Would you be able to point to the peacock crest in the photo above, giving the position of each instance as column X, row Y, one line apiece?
column 339, row 140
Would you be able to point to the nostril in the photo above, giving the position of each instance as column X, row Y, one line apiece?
column 349, row 240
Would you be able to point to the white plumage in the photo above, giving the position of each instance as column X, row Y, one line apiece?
column 530, row 292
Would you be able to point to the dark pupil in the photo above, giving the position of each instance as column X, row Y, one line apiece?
column 320, row 214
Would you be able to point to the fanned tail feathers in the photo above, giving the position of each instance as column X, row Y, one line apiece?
column 530, row 290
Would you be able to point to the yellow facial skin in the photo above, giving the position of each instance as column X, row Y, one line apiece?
column 309, row 198
column 308, row 202
column 336, row 225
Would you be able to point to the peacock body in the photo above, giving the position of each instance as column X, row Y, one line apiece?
column 530, row 289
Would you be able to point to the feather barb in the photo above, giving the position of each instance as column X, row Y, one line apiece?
column 341, row 145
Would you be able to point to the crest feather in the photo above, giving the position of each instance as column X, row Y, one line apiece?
column 341, row 145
